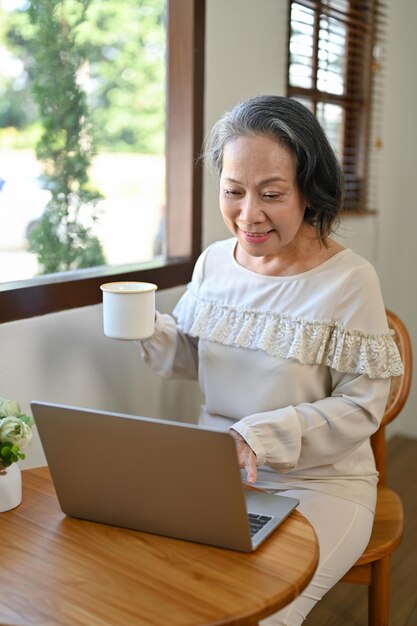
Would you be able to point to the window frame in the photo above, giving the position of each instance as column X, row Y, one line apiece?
column 184, row 135
column 354, row 123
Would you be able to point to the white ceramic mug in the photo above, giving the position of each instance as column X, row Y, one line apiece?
column 128, row 310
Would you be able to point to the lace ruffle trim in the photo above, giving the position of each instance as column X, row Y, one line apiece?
column 310, row 343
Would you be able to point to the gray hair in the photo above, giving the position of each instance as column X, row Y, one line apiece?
column 318, row 173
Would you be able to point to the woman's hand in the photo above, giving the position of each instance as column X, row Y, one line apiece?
column 247, row 457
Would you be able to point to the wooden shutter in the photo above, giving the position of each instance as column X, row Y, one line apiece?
column 331, row 59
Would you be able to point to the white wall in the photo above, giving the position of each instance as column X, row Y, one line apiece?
column 64, row 357
column 398, row 218
column 246, row 55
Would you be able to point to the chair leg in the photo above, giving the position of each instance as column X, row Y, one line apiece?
column 378, row 596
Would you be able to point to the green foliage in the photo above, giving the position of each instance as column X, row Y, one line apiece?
column 62, row 240
column 125, row 43
column 9, row 453
column 94, row 73
column 26, row 138
column 76, row 250
column 15, row 432
column 17, row 107
column 124, row 74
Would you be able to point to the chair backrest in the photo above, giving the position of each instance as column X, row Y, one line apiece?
column 400, row 389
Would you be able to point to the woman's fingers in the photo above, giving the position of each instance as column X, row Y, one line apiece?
column 246, row 456
column 250, row 467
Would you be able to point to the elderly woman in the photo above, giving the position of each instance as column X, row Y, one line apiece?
column 286, row 331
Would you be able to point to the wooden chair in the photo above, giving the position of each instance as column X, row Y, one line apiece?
column 373, row 567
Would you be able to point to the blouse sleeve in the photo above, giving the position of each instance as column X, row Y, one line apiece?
column 171, row 352
column 323, row 432
column 318, row 433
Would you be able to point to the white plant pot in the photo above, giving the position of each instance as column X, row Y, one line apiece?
column 10, row 487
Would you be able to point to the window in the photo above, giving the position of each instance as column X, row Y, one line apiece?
column 332, row 63
column 184, row 133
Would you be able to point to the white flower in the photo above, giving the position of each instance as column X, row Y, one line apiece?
column 9, row 407
column 16, row 432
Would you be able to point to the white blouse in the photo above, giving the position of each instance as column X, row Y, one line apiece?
column 299, row 365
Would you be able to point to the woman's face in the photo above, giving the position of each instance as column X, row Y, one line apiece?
column 259, row 198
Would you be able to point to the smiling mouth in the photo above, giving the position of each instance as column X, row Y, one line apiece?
column 249, row 234
column 256, row 237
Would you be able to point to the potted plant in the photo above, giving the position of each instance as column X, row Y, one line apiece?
column 15, row 436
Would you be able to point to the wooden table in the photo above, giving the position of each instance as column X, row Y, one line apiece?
column 60, row 571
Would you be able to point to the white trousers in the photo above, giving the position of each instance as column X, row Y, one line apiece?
column 343, row 529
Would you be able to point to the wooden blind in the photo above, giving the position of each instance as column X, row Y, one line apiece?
column 333, row 45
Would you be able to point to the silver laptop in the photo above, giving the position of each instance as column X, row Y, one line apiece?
column 162, row 477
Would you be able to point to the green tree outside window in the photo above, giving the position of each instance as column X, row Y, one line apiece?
column 61, row 240
column 96, row 72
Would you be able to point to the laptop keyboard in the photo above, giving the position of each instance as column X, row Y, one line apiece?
column 256, row 522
